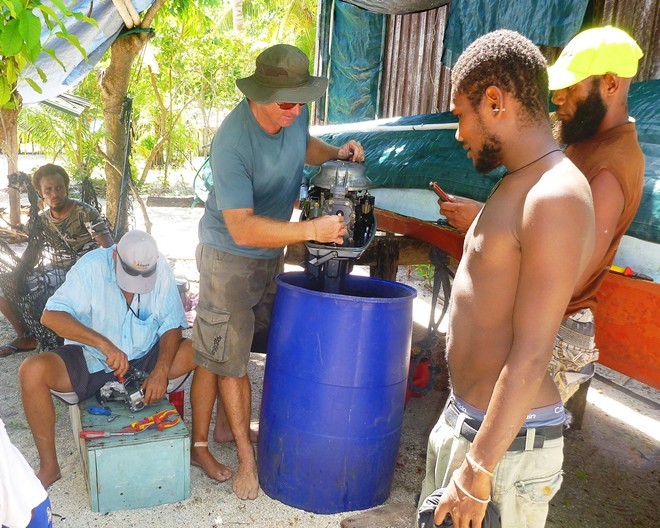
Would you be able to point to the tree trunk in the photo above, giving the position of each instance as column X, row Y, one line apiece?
column 157, row 157
column 237, row 14
column 9, row 146
column 114, row 87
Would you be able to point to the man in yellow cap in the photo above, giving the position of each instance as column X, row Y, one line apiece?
column 590, row 80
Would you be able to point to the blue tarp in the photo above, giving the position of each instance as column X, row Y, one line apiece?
column 643, row 106
column 355, row 64
column 546, row 23
column 95, row 41
column 353, row 54
column 411, row 159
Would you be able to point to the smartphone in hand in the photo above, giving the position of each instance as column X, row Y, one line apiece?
column 437, row 190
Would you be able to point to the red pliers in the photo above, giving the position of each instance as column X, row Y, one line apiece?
column 161, row 420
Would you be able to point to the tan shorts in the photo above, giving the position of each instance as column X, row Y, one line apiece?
column 524, row 481
column 236, row 297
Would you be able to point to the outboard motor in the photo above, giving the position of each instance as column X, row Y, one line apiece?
column 339, row 188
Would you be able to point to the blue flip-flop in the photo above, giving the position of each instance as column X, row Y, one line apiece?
column 13, row 349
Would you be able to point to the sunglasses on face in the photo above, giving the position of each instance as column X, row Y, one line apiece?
column 289, row 106
column 132, row 271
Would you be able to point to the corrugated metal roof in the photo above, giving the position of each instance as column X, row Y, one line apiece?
column 69, row 103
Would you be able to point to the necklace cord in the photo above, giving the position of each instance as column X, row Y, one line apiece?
column 137, row 315
column 492, row 191
column 532, row 162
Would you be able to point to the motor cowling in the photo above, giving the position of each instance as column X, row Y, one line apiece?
column 339, row 188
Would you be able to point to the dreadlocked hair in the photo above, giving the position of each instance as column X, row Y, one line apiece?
column 511, row 62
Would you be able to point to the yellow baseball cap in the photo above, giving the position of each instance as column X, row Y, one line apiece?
column 595, row 52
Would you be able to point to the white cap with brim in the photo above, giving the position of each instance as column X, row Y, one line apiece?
column 137, row 259
column 595, row 51
column 282, row 75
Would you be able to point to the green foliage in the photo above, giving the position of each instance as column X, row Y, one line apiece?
column 147, row 143
column 426, row 273
column 20, row 41
column 196, row 58
column 64, row 137
column 206, row 67
column 277, row 21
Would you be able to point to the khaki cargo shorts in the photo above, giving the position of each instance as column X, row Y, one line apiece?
column 236, row 296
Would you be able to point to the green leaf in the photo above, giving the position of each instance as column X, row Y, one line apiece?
column 61, row 6
column 30, row 27
column 82, row 18
column 34, row 85
column 11, row 72
column 47, row 21
column 58, row 21
column 10, row 39
column 51, row 17
column 33, row 54
column 21, row 61
column 5, row 92
column 73, row 40
column 13, row 6
column 580, row 474
column 53, row 56
column 42, row 74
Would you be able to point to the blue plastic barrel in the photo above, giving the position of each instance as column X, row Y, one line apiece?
column 333, row 393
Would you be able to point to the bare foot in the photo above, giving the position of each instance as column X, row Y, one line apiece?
column 224, row 435
column 200, row 456
column 48, row 476
column 246, row 481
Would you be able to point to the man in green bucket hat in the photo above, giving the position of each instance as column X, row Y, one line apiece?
column 257, row 159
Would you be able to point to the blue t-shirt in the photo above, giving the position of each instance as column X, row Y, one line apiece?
column 253, row 169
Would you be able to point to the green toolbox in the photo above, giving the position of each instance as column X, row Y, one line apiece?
column 147, row 467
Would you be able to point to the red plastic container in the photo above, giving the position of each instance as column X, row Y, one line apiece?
column 177, row 399
column 421, row 379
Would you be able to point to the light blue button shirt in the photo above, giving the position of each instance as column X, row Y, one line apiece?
column 91, row 295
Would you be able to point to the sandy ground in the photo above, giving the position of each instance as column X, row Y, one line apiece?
column 611, row 467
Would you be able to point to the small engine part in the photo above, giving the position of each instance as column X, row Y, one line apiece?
column 129, row 390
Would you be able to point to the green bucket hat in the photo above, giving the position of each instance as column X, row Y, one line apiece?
column 595, row 52
column 282, row 75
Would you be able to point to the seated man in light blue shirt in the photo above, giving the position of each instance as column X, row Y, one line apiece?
column 118, row 307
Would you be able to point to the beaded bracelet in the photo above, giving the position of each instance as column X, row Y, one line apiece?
column 476, row 464
column 468, row 494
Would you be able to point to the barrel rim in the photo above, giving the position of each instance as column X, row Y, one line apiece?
column 411, row 292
